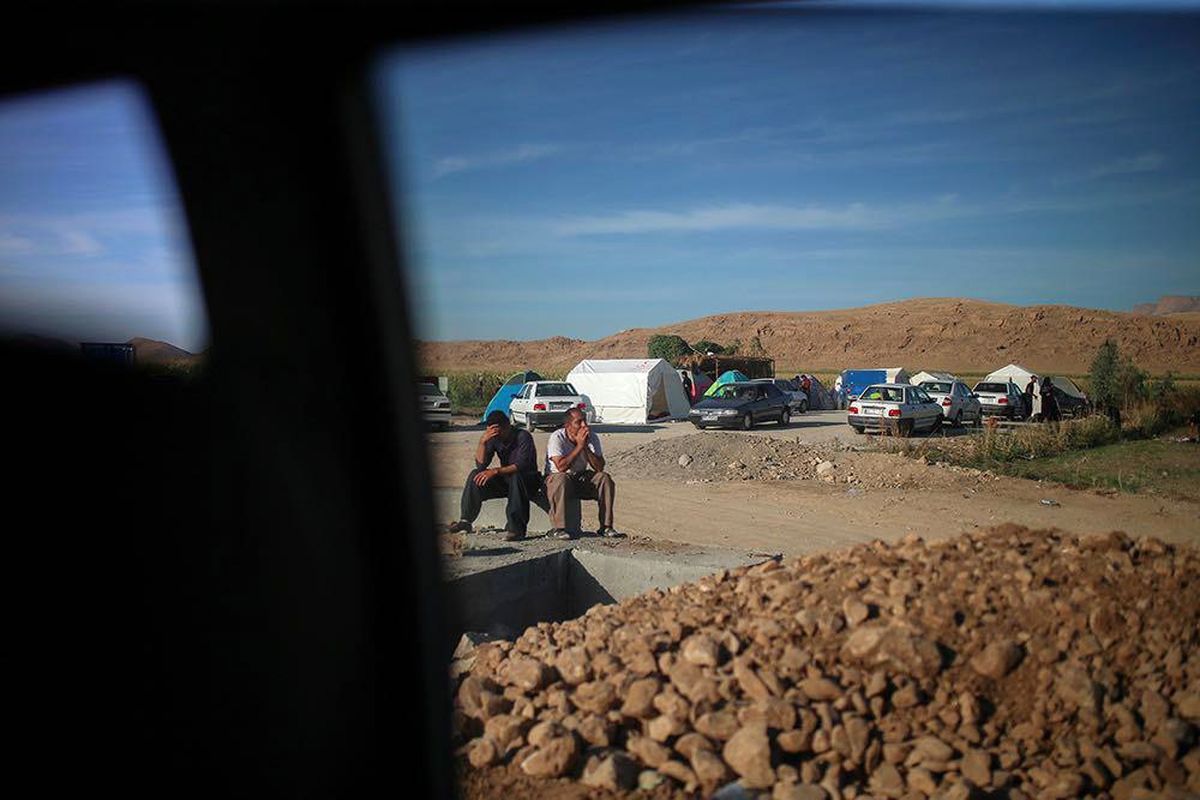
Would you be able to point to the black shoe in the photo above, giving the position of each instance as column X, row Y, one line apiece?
column 558, row 533
column 610, row 533
column 462, row 526
column 512, row 536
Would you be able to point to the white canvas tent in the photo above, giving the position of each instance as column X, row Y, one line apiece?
column 921, row 377
column 631, row 391
column 897, row 375
column 1013, row 372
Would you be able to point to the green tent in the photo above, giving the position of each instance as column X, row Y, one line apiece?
column 729, row 376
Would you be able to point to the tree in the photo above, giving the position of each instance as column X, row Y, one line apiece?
column 756, row 347
column 669, row 347
column 1105, row 366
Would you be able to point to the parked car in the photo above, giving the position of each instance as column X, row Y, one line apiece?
column 1001, row 399
column 895, row 407
column 435, row 406
column 544, row 403
column 958, row 403
column 797, row 398
column 742, row 405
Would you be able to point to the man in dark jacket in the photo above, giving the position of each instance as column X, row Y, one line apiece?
column 517, row 478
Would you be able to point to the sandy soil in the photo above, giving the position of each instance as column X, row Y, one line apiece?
column 886, row 497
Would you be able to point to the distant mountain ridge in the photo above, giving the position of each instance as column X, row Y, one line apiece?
column 1169, row 304
column 962, row 335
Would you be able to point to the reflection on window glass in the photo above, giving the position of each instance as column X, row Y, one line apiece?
column 93, row 247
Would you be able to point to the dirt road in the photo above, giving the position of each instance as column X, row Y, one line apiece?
column 890, row 496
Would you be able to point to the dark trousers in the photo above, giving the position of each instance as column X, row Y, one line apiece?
column 517, row 488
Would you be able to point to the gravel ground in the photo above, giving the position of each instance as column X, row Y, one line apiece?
column 1012, row 664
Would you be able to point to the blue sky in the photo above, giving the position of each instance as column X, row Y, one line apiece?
column 92, row 240
column 587, row 180
column 591, row 179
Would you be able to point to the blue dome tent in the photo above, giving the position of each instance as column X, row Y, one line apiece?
column 728, row 376
column 505, row 394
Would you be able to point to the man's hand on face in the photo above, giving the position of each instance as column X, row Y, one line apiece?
column 492, row 432
column 483, row 476
column 581, row 433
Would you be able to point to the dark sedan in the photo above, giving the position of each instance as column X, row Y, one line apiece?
column 742, row 405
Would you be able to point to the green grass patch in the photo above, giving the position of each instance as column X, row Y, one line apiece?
column 1151, row 466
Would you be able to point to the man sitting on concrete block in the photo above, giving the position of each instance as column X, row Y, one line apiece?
column 574, row 472
column 516, row 478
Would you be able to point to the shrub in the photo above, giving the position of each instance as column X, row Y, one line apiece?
column 1103, row 376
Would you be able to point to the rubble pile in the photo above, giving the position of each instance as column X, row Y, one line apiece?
column 1013, row 663
column 720, row 455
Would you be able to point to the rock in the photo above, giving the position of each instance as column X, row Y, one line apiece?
column 700, row 650
column 748, row 752
column 825, row 468
column 886, row 780
column 1188, row 706
column 922, row 780
column 709, row 768
column 930, row 748
column 998, row 659
column 798, row 791
column 649, row 780
column 574, row 666
column 616, row 772
column 648, row 751
column 553, row 758
column 794, row 741
column 639, row 698
column 855, row 610
column 749, row 680
column 893, row 646
column 689, row 743
column 820, row 689
column 679, row 771
column 663, row 727
column 527, row 673
column 977, row 767
column 692, row 683
column 685, row 460
column 506, row 730
column 482, row 752
column 596, row 696
column 718, row 725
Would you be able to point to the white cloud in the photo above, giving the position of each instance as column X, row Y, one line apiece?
column 855, row 216
column 520, row 155
column 1145, row 162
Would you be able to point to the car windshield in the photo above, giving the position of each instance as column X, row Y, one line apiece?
column 743, row 392
column 937, row 387
column 885, row 394
column 429, row 390
column 994, row 388
column 556, row 390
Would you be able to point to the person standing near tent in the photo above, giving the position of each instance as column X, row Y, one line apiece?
column 1049, row 402
column 806, row 385
column 687, row 385
column 574, row 472
column 1030, row 391
column 516, row 479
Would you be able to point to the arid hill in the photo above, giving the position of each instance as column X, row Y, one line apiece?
column 152, row 351
column 1169, row 304
column 967, row 336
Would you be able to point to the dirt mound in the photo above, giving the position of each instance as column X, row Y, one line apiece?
column 730, row 456
column 1012, row 664
column 718, row 455
column 967, row 336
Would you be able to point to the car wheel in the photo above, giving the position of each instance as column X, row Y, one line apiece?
column 747, row 422
column 937, row 425
column 804, row 407
column 785, row 417
column 958, row 419
column 857, row 429
column 699, row 427
column 904, row 428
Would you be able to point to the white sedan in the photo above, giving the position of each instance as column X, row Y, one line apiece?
column 545, row 403
column 895, row 408
column 958, row 403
